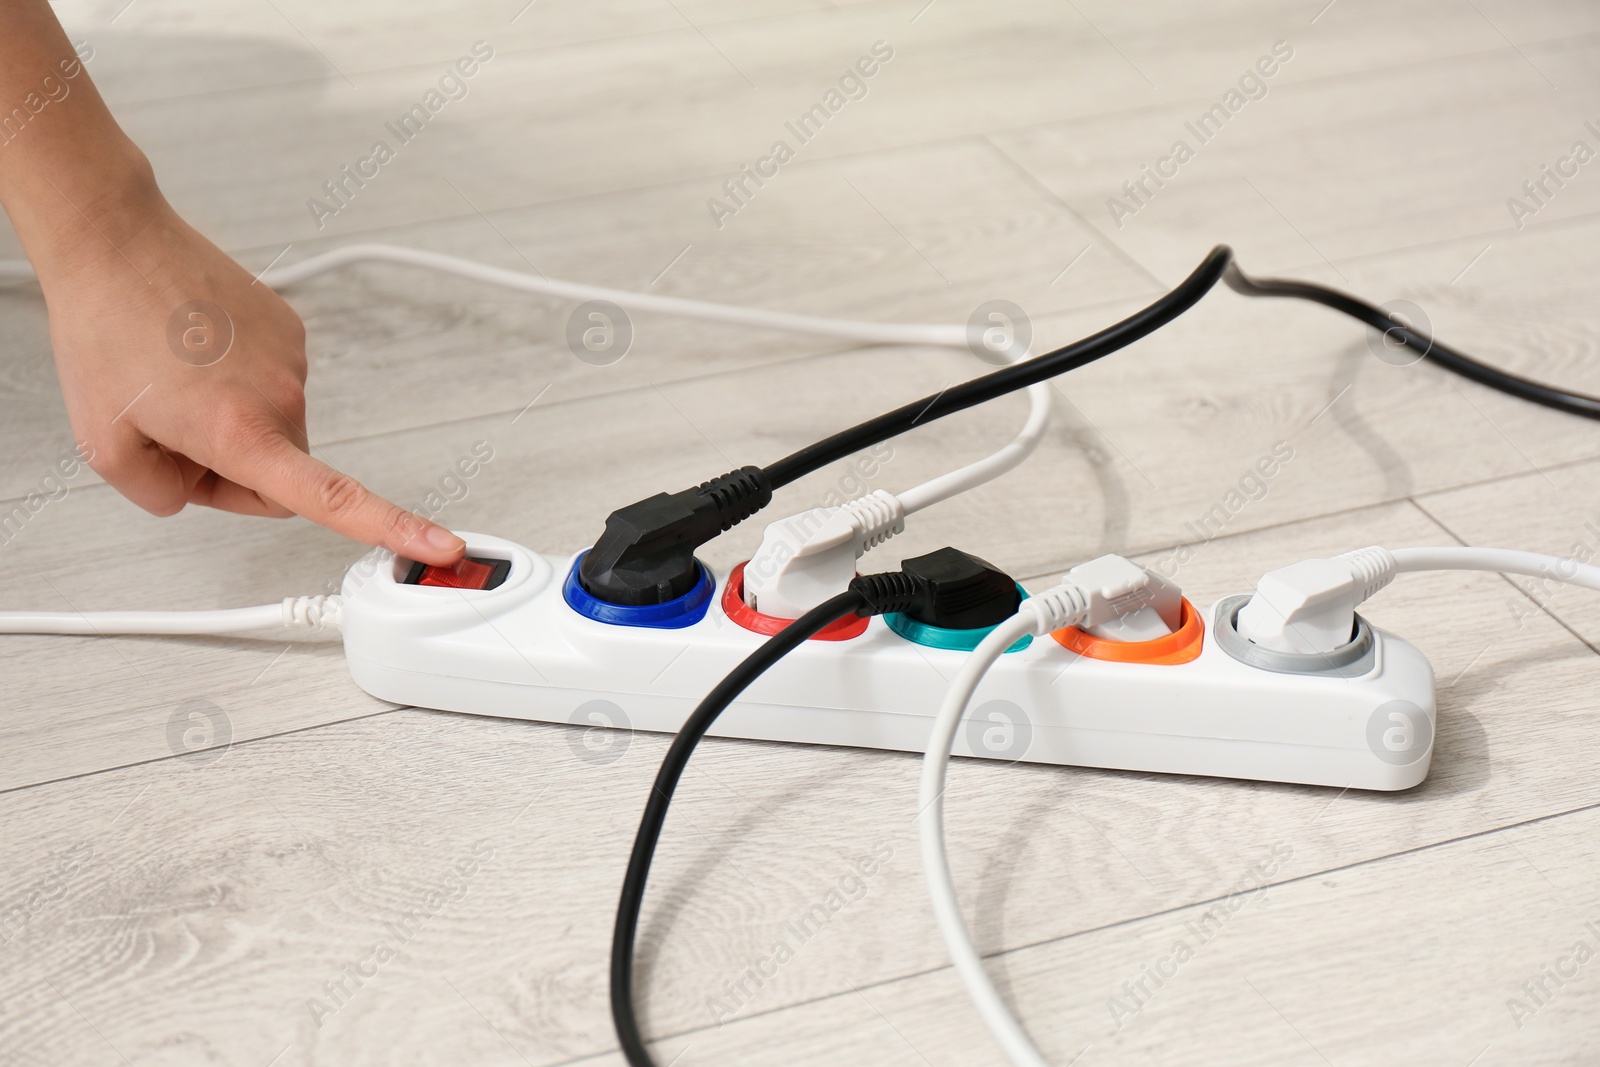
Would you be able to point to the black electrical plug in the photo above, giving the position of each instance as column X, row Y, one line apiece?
column 646, row 554
column 949, row 588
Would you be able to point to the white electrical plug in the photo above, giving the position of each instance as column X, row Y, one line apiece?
column 806, row 558
column 1127, row 602
column 1112, row 598
column 1310, row 606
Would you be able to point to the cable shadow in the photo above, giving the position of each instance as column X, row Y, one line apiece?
column 1398, row 481
column 995, row 883
column 1070, row 423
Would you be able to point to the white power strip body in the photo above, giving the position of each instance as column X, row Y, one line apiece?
column 520, row 651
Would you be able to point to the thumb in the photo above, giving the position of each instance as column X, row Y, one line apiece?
column 278, row 470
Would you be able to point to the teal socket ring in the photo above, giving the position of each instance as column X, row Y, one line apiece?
column 940, row 637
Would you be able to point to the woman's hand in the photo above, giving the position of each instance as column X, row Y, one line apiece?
column 184, row 377
column 184, row 380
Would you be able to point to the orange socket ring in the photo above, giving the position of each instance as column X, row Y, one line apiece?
column 1180, row 646
column 735, row 608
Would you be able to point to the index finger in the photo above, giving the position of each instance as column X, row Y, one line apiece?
column 308, row 487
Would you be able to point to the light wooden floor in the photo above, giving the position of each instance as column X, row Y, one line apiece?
column 169, row 908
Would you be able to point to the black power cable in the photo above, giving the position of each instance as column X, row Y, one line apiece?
column 646, row 554
column 667, row 778
column 1426, row 347
column 1006, row 380
column 1218, row 265
column 948, row 586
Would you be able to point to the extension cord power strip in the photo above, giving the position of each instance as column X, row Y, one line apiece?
column 520, row 651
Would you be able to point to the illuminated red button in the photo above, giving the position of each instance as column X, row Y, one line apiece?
column 469, row 573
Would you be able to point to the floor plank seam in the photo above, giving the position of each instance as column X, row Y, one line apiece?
column 184, row 755
column 1098, row 235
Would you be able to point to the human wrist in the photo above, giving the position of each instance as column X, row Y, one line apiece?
column 87, row 212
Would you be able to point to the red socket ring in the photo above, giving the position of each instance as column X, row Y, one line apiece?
column 733, row 605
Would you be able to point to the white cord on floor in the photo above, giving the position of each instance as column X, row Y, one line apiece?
column 943, row 335
column 940, row 335
column 1018, row 1047
column 870, row 332
column 1498, row 560
column 298, row 613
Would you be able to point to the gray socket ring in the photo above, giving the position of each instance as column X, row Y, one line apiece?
column 1347, row 661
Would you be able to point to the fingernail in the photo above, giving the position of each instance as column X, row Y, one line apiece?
column 442, row 539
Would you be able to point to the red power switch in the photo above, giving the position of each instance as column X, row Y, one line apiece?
column 470, row 573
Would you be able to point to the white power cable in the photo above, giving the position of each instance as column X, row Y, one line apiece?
column 990, row 467
column 1065, row 605
column 941, row 335
column 298, row 613
column 871, row 332
column 1016, row 1043
column 1315, row 587
column 806, row 558
column 1498, row 560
